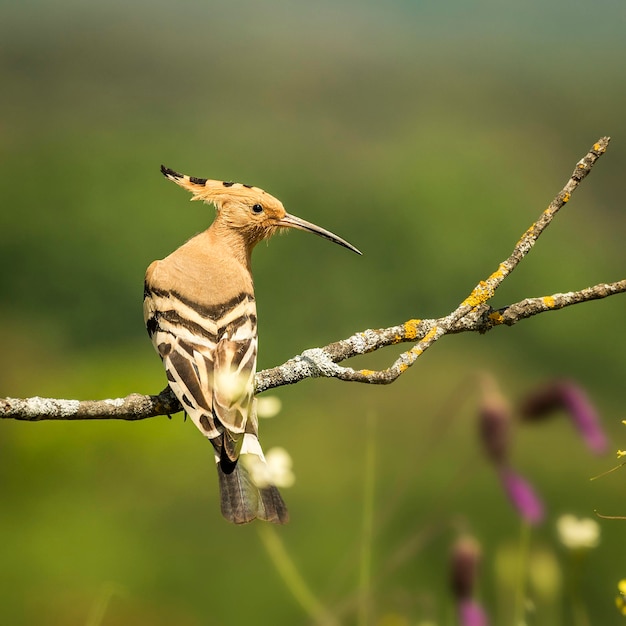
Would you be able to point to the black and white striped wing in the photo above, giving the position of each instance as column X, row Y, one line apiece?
column 233, row 389
column 213, row 378
column 216, row 396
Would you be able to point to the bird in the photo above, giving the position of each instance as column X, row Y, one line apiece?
column 200, row 312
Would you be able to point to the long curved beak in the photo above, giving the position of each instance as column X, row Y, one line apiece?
column 291, row 221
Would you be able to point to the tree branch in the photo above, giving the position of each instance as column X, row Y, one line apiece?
column 472, row 315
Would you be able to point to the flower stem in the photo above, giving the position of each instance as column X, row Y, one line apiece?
column 292, row 577
column 520, row 592
column 365, row 571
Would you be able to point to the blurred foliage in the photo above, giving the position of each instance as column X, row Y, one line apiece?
column 428, row 134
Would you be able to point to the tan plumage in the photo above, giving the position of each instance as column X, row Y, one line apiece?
column 200, row 312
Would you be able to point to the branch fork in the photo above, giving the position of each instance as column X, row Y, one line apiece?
column 473, row 314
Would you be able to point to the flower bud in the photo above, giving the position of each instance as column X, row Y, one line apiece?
column 464, row 561
column 494, row 423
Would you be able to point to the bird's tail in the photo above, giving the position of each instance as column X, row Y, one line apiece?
column 242, row 500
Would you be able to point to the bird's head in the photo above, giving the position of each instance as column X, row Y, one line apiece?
column 249, row 210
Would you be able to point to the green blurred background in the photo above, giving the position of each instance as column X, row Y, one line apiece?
column 430, row 135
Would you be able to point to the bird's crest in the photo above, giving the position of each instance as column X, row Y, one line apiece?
column 217, row 192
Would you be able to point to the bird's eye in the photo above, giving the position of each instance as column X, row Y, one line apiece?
column 257, row 208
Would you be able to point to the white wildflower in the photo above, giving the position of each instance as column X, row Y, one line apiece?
column 576, row 534
column 276, row 470
column 268, row 406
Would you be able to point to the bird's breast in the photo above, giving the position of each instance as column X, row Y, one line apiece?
column 195, row 300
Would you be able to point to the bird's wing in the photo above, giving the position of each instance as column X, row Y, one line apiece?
column 210, row 364
column 233, row 389
column 189, row 371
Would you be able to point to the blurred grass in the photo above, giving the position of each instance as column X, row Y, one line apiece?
column 428, row 135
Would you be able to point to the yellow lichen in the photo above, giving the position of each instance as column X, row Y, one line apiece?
column 485, row 288
column 496, row 317
column 566, row 197
column 480, row 294
column 500, row 273
column 366, row 372
column 549, row 301
column 597, row 146
column 411, row 328
column 429, row 335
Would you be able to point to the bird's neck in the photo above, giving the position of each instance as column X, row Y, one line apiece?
column 233, row 240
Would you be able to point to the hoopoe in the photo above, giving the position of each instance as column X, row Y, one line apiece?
column 200, row 312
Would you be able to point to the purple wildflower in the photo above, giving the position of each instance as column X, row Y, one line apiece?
column 522, row 495
column 464, row 562
column 471, row 614
column 570, row 397
column 585, row 417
